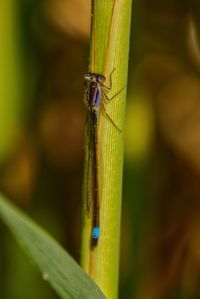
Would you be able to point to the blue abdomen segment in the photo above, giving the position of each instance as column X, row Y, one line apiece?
column 95, row 233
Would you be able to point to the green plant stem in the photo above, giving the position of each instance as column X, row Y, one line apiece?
column 109, row 50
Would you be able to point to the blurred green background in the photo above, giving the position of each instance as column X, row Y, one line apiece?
column 43, row 57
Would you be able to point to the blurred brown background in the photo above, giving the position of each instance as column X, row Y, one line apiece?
column 43, row 57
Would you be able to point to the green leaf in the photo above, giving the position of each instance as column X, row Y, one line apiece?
column 57, row 267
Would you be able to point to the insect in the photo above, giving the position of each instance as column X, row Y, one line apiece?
column 95, row 99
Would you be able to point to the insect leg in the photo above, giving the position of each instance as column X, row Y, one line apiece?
column 107, row 99
column 109, row 87
column 108, row 116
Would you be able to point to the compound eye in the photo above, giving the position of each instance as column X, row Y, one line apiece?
column 99, row 77
column 88, row 74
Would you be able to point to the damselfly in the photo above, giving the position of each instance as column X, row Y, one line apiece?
column 95, row 99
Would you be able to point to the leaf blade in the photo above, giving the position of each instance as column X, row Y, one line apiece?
column 62, row 272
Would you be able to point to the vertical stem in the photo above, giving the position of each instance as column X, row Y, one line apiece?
column 109, row 50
